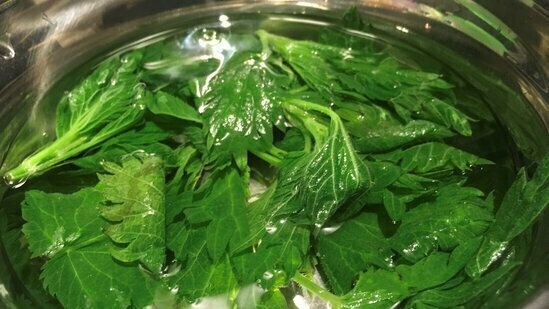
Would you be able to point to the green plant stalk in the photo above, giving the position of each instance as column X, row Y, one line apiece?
column 335, row 301
column 267, row 157
column 48, row 157
column 51, row 155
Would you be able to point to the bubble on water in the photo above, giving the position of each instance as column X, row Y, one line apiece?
column 330, row 229
column 13, row 183
column 268, row 275
column 271, row 229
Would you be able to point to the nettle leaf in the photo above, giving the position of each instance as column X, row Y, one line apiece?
column 332, row 175
column 202, row 277
column 385, row 138
column 383, row 175
column 222, row 205
column 169, row 105
column 241, row 103
column 332, row 172
column 49, row 232
column 336, row 73
column 394, row 205
column 282, row 247
column 431, row 108
column 18, row 262
column 354, row 247
column 274, row 243
column 273, row 300
column 432, row 157
column 199, row 275
column 457, row 215
column 378, row 289
column 521, row 205
column 147, row 139
column 452, row 297
column 134, row 192
column 437, row 268
column 88, row 278
column 80, row 271
column 106, row 103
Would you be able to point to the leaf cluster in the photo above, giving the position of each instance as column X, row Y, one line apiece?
column 227, row 181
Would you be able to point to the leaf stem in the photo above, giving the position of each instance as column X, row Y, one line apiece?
column 269, row 158
column 318, row 291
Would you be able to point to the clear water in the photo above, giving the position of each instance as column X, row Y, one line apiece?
column 212, row 44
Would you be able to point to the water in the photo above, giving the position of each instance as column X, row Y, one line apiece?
column 7, row 52
column 209, row 47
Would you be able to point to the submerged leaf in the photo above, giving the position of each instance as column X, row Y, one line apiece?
column 432, row 157
column 332, row 173
column 169, row 105
column 106, row 103
column 377, row 289
column 222, row 206
column 456, row 216
column 352, row 248
column 134, row 194
column 385, row 138
column 520, row 207
column 241, row 104
column 80, row 270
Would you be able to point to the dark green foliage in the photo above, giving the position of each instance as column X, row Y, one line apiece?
column 227, row 175
column 106, row 103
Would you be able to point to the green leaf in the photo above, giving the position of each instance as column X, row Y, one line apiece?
column 134, row 195
column 241, row 104
column 462, row 293
column 384, row 174
column 106, row 103
column 167, row 104
column 437, row 268
column 336, row 73
column 385, row 138
column 223, row 206
column 199, row 275
column 354, row 247
column 394, row 206
column 117, row 153
column 376, row 289
column 55, row 221
column 18, row 263
column 282, row 247
column 68, row 277
column 457, row 215
column 80, row 271
column 273, row 300
column 521, row 205
column 333, row 172
column 145, row 139
column 431, row 108
column 431, row 157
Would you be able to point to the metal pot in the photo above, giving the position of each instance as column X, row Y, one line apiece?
column 42, row 40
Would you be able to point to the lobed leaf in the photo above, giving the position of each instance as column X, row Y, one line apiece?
column 80, row 271
column 521, row 205
column 134, row 195
column 456, row 216
column 432, row 157
column 353, row 247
